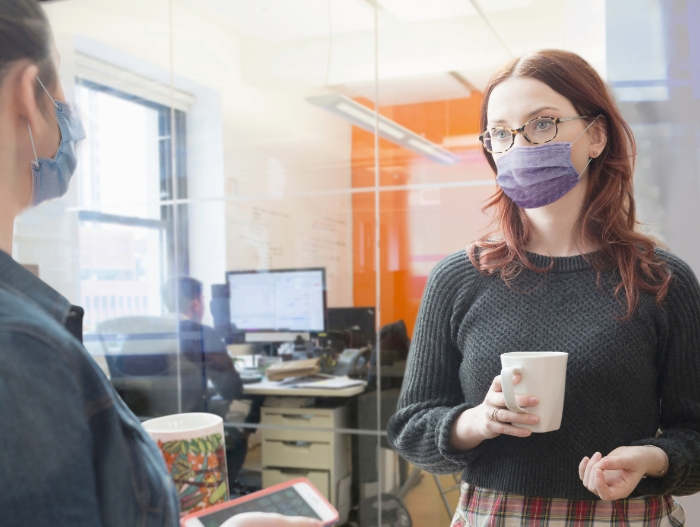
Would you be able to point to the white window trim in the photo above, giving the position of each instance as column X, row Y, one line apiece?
column 100, row 72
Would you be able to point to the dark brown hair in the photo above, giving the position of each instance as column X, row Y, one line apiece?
column 178, row 292
column 25, row 34
column 608, row 214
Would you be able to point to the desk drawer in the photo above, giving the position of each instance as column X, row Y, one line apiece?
column 297, row 454
column 301, row 417
column 282, row 434
column 298, row 418
column 319, row 478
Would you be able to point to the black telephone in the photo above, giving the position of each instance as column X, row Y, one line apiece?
column 353, row 362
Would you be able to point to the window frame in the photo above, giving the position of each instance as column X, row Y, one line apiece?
column 173, row 187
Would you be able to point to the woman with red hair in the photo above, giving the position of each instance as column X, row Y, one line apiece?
column 565, row 269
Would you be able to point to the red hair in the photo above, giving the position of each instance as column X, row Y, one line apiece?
column 607, row 217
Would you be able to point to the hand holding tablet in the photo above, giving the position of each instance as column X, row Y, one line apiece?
column 269, row 519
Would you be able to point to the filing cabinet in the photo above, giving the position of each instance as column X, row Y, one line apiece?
column 322, row 456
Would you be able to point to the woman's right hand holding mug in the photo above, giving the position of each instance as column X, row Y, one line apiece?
column 492, row 418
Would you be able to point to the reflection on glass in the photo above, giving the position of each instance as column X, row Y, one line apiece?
column 220, row 109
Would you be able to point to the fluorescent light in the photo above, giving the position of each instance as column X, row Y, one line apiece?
column 390, row 130
column 430, row 151
column 364, row 118
column 421, row 146
column 367, row 116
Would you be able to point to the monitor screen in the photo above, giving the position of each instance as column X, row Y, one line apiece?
column 285, row 300
column 354, row 325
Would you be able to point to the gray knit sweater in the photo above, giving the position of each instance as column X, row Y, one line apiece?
column 625, row 380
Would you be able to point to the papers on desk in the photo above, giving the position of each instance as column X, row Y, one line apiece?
column 329, row 382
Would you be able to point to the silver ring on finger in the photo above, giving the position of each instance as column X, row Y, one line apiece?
column 494, row 415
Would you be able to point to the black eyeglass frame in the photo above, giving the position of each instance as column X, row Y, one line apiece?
column 521, row 130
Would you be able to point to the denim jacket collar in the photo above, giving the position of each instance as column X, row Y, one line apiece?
column 21, row 282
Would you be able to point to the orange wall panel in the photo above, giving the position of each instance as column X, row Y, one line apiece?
column 401, row 291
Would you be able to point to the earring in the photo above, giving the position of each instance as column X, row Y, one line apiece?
column 595, row 153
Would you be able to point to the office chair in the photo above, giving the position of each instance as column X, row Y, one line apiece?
column 144, row 365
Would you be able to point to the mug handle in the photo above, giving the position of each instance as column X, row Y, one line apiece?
column 508, row 391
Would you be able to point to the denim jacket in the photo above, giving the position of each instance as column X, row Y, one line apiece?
column 71, row 452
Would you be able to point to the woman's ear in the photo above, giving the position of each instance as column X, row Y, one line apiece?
column 24, row 90
column 598, row 133
column 34, row 107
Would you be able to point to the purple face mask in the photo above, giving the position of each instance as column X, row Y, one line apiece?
column 535, row 176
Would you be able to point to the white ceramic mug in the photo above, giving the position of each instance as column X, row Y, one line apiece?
column 543, row 374
column 193, row 447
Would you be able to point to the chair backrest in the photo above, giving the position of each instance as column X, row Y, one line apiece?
column 139, row 345
column 142, row 355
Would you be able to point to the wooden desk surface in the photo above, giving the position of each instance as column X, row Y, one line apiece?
column 272, row 388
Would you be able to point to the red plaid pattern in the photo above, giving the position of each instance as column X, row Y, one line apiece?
column 490, row 508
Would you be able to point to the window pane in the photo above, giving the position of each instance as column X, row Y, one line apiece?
column 122, row 263
column 119, row 165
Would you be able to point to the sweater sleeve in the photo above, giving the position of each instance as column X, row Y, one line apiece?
column 679, row 388
column 431, row 396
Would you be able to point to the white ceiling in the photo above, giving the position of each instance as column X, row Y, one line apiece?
column 331, row 43
column 290, row 20
column 424, row 10
column 423, row 88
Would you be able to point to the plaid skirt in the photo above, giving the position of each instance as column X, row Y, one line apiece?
column 490, row 508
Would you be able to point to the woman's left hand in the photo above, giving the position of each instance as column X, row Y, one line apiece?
column 616, row 475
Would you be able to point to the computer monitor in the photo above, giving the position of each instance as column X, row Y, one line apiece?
column 355, row 326
column 277, row 305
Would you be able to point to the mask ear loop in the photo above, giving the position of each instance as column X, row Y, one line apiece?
column 31, row 138
column 35, row 163
column 572, row 142
column 579, row 136
column 54, row 102
column 584, row 168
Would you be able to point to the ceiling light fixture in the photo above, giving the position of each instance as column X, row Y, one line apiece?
column 364, row 118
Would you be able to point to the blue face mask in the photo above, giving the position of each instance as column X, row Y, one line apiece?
column 50, row 177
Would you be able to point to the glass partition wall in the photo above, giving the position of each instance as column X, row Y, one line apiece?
column 233, row 136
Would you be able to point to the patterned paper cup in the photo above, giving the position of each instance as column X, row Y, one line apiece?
column 194, row 451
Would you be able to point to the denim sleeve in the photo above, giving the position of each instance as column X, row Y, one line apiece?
column 46, row 478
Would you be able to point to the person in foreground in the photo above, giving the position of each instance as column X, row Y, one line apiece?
column 566, row 269
column 71, row 452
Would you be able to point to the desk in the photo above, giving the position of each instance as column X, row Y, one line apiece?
column 273, row 388
column 301, row 441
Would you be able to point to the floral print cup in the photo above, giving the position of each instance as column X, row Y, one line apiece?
column 193, row 447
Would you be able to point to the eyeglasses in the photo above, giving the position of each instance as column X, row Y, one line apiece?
column 537, row 131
